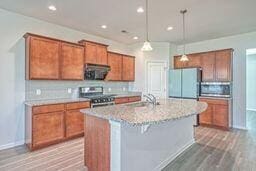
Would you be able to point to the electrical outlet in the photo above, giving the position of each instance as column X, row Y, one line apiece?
column 124, row 89
column 109, row 89
column 38, row 92
column 69, row 90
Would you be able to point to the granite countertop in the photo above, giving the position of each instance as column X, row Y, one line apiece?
column 54, row 101
column 70, row 100
column 138, row 114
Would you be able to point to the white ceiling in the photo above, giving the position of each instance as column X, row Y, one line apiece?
column 206, row 19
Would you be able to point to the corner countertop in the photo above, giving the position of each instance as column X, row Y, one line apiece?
column 72, row 100
column 142, row 113
column 55, row 101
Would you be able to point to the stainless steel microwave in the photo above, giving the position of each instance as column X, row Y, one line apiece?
column 215, row 89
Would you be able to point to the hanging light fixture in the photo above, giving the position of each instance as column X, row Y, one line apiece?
column 184, row 57
column 147, row 46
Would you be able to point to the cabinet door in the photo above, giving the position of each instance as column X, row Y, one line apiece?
column 194, row 61
column 115, row 63
column 206, row 116
column 208, row 66
column 47, row 128
column 102, row 56
column 72, row 62
column 90, row 53
column 128, row 68
column 43, row 58
column 223, row 65
column 179, row 64
column 220, row 115
column 74, row 123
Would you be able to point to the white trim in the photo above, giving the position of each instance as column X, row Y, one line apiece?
column 240, row 127
column 11, row 145
column 166, row 74
column 170, row 158
column 254, row 110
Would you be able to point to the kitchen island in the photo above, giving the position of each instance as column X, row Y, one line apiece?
column 139, row 136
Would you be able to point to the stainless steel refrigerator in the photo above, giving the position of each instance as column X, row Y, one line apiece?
column 185, row 83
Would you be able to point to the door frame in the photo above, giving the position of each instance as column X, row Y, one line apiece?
column 166, row 68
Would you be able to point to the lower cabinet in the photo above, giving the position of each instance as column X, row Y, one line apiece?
column 50, row 124
column 122, row 100
column 217, row 113
column 74, row 123
column 48, row 128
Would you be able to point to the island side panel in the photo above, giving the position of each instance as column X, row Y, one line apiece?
column 157, row 146
column 97, row 144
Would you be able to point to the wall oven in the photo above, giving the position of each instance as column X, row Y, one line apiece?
column 216, row 89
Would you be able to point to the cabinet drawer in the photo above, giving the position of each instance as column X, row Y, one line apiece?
column 134, row 99
column 48, row 108
column 78, row 105
column 121, row 100
column 214, row 101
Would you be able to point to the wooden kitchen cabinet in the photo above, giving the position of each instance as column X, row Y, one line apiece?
column 48, row 128
column 115, row 63
column 72, row 62
column 179, row 64
column 194, row 62
column 208, row 66
column 95, row 53
column 50, row 124
column 42, row 58
column 128, row 72
column 122, row 100
column 217, row 113
column 223, row 60
column 53, row 59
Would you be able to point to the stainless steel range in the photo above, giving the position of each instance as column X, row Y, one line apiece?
column 95, row 94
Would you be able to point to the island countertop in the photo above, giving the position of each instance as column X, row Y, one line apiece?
column 142, row 113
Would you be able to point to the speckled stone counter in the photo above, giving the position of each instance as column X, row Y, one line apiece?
column 54, row 101
column 128, row 94
column 141, row 113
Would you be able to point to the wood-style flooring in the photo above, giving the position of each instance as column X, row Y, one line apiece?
column 214, row 150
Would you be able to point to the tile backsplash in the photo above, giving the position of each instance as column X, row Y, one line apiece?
column 42, row 90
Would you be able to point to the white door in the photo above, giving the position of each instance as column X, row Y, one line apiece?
column 156, row 79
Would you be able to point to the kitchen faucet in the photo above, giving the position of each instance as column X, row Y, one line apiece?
column 150, row 98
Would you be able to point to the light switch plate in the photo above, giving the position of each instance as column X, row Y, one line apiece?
column 38, row 92
column 124, row 89
column 69, row 90
column 109, row 89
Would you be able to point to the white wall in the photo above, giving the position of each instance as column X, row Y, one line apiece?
column 12, row 68
column 239, row 43
column 161, row 51
column 251, row 82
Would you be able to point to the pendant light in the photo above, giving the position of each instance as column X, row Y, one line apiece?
column 184, row 57
column 147, row 45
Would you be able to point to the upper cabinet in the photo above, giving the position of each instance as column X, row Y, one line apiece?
column 52, row 59
column 122, row 67
column 95, row 53
column 223, row 61
column 208, row 66
column 42, row 58
column 128, row 68
column 216, row 65
column 115, row 62
column 72, row 62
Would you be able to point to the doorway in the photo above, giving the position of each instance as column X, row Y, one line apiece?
column 157, row 78
column 251, row 88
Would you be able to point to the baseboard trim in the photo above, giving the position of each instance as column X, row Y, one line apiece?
column 170, row 158
column 13, row 144
column 240, row 127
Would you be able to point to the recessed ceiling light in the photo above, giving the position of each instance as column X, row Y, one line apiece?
column 140, row 10
column 169, row 28
column 52, row 7
column 104, row 26
column 135, row 38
